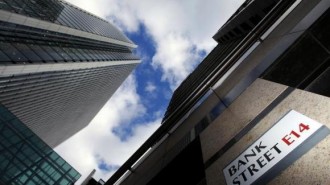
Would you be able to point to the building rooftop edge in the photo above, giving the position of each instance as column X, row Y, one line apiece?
column 98, row 17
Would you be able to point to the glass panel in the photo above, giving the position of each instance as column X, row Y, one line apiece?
column 73, row 172
column 321, row 29
column 30, row 183
column 64, row 182
column 50, row 170
column 12, row 52
column 321, row 84
column 62, row 53
column 7, row 116
column 42, row 175
column 30, row 153
column 41, row 52
column 54, row 156
column 18, row 164
column 84, row 53
column 71, row 54
column 23, row 178
column 77, row 53
column 18, row 125
column 6, row 132
column 14, row 139
column 22, row 157
column 12, row 170
column 60, row 161
column 27, row 52
column 3, row 57
column 66, row 167
column 36, row 179
column 3, row 162
column 47, row 168
column 4, row 6
column 14, row 6
column 297, row 63
column 50, row 51
column 56, row 176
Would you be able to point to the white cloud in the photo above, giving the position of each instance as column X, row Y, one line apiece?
column 175, row 57
column 96, row 141
column 150, row 88
column 180, row 29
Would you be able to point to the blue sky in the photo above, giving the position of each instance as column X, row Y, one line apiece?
column 148, row 85
column 173, row 37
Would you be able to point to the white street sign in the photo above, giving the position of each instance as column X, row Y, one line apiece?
column 279, row 141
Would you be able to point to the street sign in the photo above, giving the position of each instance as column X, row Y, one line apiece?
column 274, row 149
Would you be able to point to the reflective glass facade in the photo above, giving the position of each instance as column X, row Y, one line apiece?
column 58, row 71
column 26, row 159
column 62, row 13
column 22, row 44
column 56, row 105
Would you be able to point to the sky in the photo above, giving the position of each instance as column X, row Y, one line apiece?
column 173, row 37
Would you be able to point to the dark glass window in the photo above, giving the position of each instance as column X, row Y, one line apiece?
column 321, row 30
column 255, row 19
column 306, row 63
column 3, row 57
column 321, row 85
column 4, row 6
column 12, row 52
column 41, row 52
column 71, row 54
column 246, row 26
column 77, row 53
column 85, row 53
column 28, row 52
column 187, row 167
column 52, row 52
column 297, row 63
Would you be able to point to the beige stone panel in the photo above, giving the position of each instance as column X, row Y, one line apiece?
column 312, row 168
column 245, row 108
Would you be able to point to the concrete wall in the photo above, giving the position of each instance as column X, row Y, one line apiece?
column 312, row 168
column 247, row 106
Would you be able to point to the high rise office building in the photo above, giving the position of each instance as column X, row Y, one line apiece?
column 255, row 111
column 58, row 65
column 26, row 160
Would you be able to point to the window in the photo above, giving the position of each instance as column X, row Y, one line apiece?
column 321, row 84
column 298, row 63
column 12, row 52
column 306, row 64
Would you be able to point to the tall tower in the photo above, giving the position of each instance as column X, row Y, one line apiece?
column 58, row 65
column 270, row 72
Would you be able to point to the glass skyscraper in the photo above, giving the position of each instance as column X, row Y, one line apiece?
column 26, row 159
column 58, row 65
